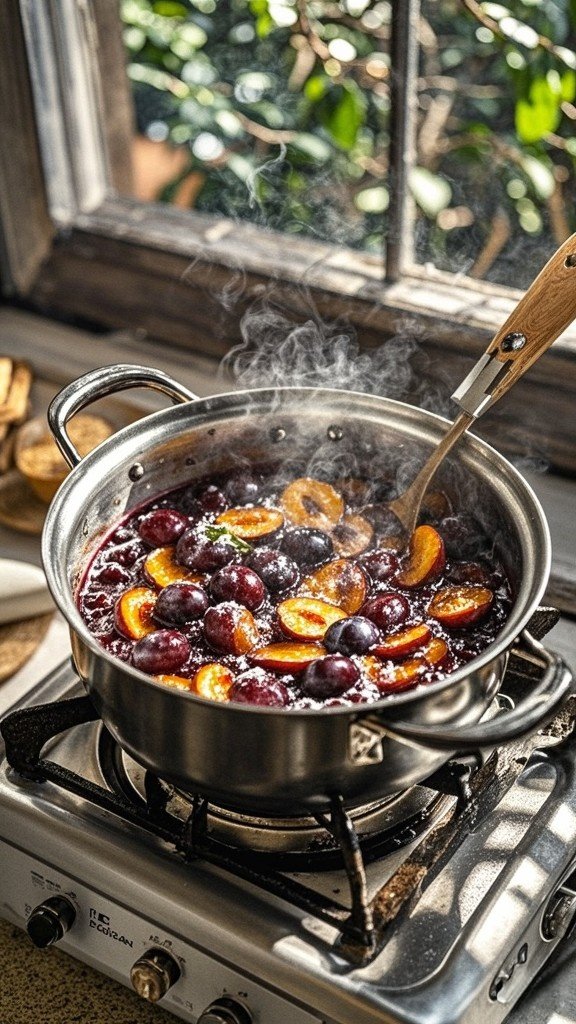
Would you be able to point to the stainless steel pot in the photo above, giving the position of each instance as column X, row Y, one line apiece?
column 264, row 760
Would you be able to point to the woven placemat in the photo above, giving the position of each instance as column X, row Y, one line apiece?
column 19, row 640
column 20, row 508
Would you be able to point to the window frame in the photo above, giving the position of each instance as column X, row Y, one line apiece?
column 65, row 243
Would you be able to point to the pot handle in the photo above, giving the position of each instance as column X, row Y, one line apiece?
column 539, row 707
column 98, row 384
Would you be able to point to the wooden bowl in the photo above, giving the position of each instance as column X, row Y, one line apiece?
column 37, row 456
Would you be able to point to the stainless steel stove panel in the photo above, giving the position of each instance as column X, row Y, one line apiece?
column 110, row 937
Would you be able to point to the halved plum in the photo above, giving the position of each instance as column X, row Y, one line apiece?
column 390, row 679
column 402, row 676
column 436, row 504
column 309, row 502
column 213, row 681
column 406, row 641
column 287, row 657
column 435, row 651
column 307, row 618
column 176, row 682
column 230, row 628
column 133, row 612
column 457, row 607
column 162, row 569
column 426, row 558
column 251, row 523
column 352, row 535
column 353, row 490
column 340, row 582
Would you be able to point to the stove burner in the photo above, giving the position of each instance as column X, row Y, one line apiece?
column 295, row 843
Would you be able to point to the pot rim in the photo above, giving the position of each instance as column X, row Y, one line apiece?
column 210, row 405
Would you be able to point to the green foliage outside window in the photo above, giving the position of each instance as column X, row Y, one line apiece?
column 283, row 110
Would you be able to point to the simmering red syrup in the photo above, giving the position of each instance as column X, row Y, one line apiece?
column 247, row 588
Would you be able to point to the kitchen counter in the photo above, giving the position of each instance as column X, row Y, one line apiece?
column 38, row 987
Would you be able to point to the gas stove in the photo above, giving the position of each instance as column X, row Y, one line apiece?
column 440, row 904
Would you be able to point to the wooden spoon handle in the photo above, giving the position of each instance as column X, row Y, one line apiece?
column 545, row 310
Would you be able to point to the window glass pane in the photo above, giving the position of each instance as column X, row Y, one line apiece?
column 272, row 112
column 494, row 182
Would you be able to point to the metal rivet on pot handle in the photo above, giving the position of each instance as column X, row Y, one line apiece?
column 539, row 707
column 98, row 384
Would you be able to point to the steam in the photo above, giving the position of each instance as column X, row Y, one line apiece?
column 275, row 351
column 265, row 171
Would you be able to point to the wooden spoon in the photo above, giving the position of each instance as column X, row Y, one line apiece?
column 544, row 311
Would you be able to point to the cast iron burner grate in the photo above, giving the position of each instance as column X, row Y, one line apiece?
column 289, row 843
column 475, row 786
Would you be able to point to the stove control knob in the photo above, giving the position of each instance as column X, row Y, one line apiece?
column 50, row 920
column 225, row 1011
column 153, row 974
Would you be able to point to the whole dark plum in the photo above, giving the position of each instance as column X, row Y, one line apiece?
column 195, row 551
column 180, row 602
column 354, row 635
column 161, row 653
column 242, row 488
column 274, row 568
column 125, row 554
column 238, row 583
column 203, row 499
column 261, row 688
column 462, row 536
column 307, row 546
column 230, row 627
column 122, row 534
column 162, row 526
column 112, row 574
column 329, row 677
column 386, row 610
column 472, row 573
column 380, row 564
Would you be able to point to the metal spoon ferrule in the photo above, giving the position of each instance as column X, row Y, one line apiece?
column 474, row 394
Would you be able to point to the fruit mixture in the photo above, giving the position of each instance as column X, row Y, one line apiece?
column 297, row 595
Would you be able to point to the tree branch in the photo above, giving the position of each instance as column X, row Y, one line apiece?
column 560, row 52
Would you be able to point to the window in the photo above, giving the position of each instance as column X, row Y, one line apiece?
column 77, row 244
